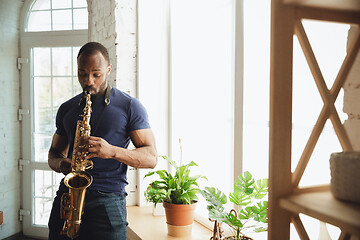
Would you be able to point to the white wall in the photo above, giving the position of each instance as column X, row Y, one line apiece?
column 10, row 189
column 352, row 99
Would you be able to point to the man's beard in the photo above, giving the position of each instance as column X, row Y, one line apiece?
column 94, row 95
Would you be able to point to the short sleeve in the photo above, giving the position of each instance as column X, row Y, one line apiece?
column 60, row 129
column 138, row 117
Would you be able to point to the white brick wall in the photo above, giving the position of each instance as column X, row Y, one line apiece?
column 10, row 190
column 352, row 100
column 102, row 28
column 126, row 45
column 119, row 37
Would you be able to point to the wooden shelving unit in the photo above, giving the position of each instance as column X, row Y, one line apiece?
column 286, row 200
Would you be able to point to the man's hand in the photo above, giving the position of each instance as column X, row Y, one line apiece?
column 143, row 156
column 65, row 166
column 97, row 147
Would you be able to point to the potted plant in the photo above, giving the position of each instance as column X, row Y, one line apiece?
column 156, row 196
column 248, row 197
column 180, row 198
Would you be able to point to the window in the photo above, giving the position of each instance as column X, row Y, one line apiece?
column 186, row 81
column 55, row 15
column 48, row 80
column 54, row 82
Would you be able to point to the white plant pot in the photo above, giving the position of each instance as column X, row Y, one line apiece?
column 158, row 210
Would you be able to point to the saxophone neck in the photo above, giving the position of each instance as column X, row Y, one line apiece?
column 87, row 108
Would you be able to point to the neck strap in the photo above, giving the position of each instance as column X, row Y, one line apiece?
column 107, row 95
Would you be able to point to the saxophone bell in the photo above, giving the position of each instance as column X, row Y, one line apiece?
column 72, row 203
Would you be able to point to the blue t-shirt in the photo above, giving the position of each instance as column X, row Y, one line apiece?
column 112, row 123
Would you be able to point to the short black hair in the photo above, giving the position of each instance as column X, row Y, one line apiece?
column 91, row 48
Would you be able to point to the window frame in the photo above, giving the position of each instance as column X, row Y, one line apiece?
column 28, row 41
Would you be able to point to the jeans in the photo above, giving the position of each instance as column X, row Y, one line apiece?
column 104, row 217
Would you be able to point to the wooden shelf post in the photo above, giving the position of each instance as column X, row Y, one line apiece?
column 286, row 201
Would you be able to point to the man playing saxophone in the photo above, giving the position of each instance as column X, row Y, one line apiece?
column 116, row 119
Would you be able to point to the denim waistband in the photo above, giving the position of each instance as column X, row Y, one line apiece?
column 104, row 194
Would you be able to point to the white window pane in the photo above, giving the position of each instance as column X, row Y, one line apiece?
column 62, row 20
column 153, row 93
column 42, row 146
column 41, row 5
column 80, row 18
column 59, row 16
column 63, row 86
column 42, row 62
column 207, row 56
column 256, row 87
column 39, row 21
column 56, row 4
column 61, row 59
column 42, row 102
column 42, row 210
column 79, row 3
column 43, row 183
column 76, row 86
column 46, row 185
column 43, row 119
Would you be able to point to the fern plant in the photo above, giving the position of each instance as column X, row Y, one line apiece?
column 249, row 197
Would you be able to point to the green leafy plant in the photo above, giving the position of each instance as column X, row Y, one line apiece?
column 155, row 195
column 180, row 188
column 248, row 196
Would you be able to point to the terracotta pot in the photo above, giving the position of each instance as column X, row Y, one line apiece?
column 179, row 218
column 179, row 214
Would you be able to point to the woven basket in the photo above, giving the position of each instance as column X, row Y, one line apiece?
column 345, row 175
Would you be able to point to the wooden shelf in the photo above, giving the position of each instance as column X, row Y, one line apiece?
column 345, row 11
column 338, row 5
column 323, row 206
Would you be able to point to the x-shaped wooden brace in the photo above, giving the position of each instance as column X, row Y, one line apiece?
column 328, row 97
column 328, row 110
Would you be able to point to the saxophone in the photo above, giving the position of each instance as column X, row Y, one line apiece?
column 72, row 203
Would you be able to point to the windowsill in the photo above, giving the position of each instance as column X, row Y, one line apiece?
column 143, row 225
